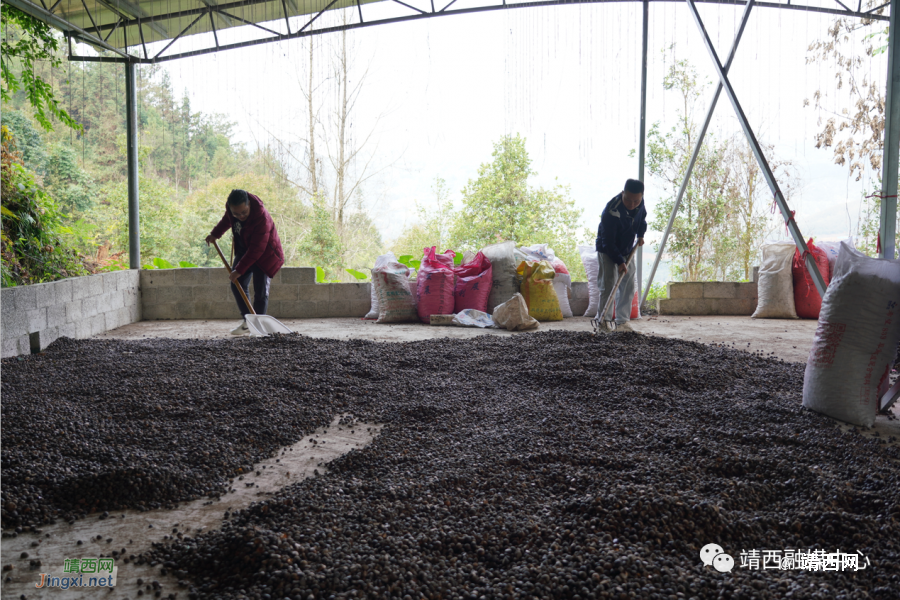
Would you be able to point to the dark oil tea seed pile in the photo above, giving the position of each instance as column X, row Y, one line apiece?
column 546, row 465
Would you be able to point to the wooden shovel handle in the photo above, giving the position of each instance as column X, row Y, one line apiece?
column 240, row 289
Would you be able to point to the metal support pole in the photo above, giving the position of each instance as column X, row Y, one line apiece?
column 889, row 162
column 131, row 142
column 697, row 145
column 760, row 158
column 642, row 142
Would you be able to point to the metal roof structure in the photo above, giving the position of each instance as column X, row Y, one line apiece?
column 119, row 25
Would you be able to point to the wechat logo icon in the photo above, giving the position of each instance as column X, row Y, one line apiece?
column 714, row 555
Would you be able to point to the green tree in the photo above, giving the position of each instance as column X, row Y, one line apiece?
column 160, row 217
column 703, row 211
column 28, row 140
column 856, row 131
column 432, row 228
column 66, row 181
column 32, row 226
column 722, row 219
column 321, row 246
column 26, row 41
column 869, row 226
column 500, row 205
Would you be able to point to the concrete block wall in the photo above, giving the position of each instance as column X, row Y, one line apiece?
column 204, row 293
column 711, row 298
column 579, row 298
column 33, row 316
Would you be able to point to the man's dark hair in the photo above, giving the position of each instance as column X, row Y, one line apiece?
column 632, row 186
column 239, row 197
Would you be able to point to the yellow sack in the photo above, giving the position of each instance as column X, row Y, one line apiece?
column 537, row 289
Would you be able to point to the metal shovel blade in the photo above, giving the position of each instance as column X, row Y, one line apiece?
column 262, row 325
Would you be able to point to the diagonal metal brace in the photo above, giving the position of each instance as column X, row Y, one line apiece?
column 760, row 158
column 891, row 396
column 697, row 145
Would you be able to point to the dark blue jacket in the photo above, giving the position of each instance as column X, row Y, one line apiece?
column 618, row 229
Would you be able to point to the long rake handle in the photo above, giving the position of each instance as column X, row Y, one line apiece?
column 612, row 295
column 240, row 289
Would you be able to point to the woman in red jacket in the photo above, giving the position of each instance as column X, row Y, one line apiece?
column 257, row 250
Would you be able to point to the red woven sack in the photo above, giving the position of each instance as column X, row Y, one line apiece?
column 473, row 284
column 806, row 296
column 436, row 280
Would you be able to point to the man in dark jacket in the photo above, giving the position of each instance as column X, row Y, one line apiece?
column 257, row 250
column 623, row 219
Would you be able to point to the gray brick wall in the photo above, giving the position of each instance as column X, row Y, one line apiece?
column 711, row 298
column 78, row 308
column 85, row 306
column 294, row 294
column 206, row 294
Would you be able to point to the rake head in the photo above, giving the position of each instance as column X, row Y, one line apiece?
column 603, row 326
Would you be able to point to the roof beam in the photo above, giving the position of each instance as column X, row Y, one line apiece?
column 214, row 5
column 220, row 6
column 135, row 12
column 53, row 20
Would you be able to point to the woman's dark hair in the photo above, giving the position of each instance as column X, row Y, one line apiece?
column 632, row 186
column 238, row 197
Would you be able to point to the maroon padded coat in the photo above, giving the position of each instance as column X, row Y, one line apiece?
column 259, row 237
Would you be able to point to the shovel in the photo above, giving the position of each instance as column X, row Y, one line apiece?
column 602, row 324
column 259, row 325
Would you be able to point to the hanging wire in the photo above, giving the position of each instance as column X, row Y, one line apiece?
column 83, row 116
column 69, row 104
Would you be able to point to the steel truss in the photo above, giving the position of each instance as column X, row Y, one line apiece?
column 209, row 8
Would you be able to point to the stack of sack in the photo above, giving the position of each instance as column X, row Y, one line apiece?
column 786, row 289
column 440, row 288
column 499, row 274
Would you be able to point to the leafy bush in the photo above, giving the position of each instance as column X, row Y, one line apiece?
column 658, row 291
column 32, row 249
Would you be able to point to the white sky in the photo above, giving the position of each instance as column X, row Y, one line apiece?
column 565, row 77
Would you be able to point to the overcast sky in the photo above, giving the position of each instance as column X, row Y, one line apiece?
column 439, row 92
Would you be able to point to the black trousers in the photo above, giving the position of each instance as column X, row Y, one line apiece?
column 261, row 284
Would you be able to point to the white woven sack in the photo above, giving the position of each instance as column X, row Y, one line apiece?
column 776, row 284
column 413, row 285
column 379, row 262
column 561, row 284
column 832, row 249
column 856, row 340
column 505, row 283
column 395, row 300
column 591, row 263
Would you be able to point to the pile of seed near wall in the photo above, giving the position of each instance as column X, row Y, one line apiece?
column 547, row 465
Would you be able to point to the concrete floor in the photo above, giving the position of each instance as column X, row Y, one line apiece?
column 788, row 340
column 136, row 531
